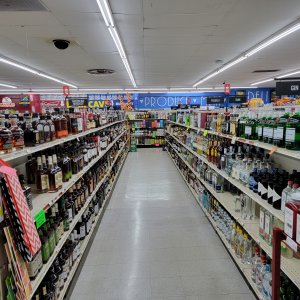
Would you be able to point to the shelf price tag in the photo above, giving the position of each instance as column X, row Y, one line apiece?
column 205, row 133
column 233, row 140
column 40, row 218
column 292, row 244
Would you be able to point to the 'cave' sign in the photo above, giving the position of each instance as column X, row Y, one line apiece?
column 99, row 103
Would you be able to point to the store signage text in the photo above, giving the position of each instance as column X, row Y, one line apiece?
column 99, row 103
column 288, row 88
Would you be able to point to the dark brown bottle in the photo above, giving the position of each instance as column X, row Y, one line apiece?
column 52, row 176
column 31, row 135
column 40, row 127
column 17, row 133
column 42, row 180
column 58, row 174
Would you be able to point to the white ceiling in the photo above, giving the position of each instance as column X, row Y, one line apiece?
column 169, row 43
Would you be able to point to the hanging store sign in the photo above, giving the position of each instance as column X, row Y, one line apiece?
column 227, row 88
column 215, row 100
column 66, row 90
column 25, row 101
column 99, row 103
column 78, row 102
column 7, row 102
column 237, row 99
column 288, row 88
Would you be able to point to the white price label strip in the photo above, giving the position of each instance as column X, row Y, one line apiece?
column 292, row 244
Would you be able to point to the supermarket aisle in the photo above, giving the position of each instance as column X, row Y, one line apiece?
column 155, row 243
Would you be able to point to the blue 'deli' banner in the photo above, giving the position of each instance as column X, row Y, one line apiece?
column 167, row 100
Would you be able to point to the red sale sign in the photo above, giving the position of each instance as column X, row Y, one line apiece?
column 66, row 90
column 227, row 88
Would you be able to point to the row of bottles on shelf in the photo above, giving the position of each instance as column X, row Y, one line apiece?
column 59, row 271
column 244, row 205
column 48, row 170
column 147, row 141
column 62, row 213
column 20, row 130
column 273, row 127
column 147, row 124
column 149, row 133
column 249, row 165
column 241, row 243
column 146, row 115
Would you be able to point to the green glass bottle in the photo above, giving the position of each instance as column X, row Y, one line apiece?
column 292, row 133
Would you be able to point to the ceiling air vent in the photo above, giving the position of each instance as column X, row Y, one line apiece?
column 22, row 5
column 101, row 72
column 266, row 71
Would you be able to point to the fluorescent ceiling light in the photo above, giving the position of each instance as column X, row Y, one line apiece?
column 263, row 81
column 8, row 85
column 109, row 22
column 274, row 39
column 100, row 90
column 289, row 74
column 30, row 70
column 269, row 41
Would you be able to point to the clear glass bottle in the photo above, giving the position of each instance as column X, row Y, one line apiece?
column 247, row 255
column 267, row 281
column 256, row 261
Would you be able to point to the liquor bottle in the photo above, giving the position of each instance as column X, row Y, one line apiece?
column 30, row 167
column 26, row 190
column 42, row 179
column 52, row 128
column 292, row 133
column 52, row 176
column 47, row 130
column 255, row 263
column 40, row 127
column 260, row 272
column 17, row 133
column 285, row 193
column 267, row 281
column 6, row 139
column 31, row 135
column 57, row 124
column 45, row 246
column 58, row 174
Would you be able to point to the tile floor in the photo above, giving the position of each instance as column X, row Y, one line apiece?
column 154, row 242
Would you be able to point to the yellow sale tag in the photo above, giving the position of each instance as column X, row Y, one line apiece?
column 205, row 133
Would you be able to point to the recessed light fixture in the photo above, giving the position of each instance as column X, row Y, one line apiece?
column 288, row 75
column 33, row 71
column 267, row 42
column 110, row 24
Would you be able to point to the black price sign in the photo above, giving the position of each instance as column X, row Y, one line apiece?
column 237, row 99
column 288, row 88
column 215, row 100
column 80, row 102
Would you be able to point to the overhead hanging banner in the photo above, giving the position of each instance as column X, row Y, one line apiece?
column 288, row 88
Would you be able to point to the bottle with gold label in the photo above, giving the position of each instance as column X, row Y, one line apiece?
column 17, row 133
column 58, row 174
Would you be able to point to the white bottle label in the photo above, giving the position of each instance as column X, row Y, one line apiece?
column 263, row 190
column 82, row 231
column 259, row 187
column 290, row 134
column 248, row 130
column 278, row 133
column 298, row 229
column 288, row 222
column 259, row 131
column 276, row 197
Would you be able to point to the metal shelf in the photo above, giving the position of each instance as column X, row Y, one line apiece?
column 276, row 213
column 37, row 281
column 291, row 267
column 281, row 151
column 85, row 242
column 46, row 200
column 30, row 150
column 245, row 269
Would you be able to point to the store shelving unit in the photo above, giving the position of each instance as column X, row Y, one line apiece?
column 46, row 200
column 45, row 268
column 88, row 239
column 30, row 150
column 282, row 151
column 145, row 139
column 244, row 269
column 291, row 267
